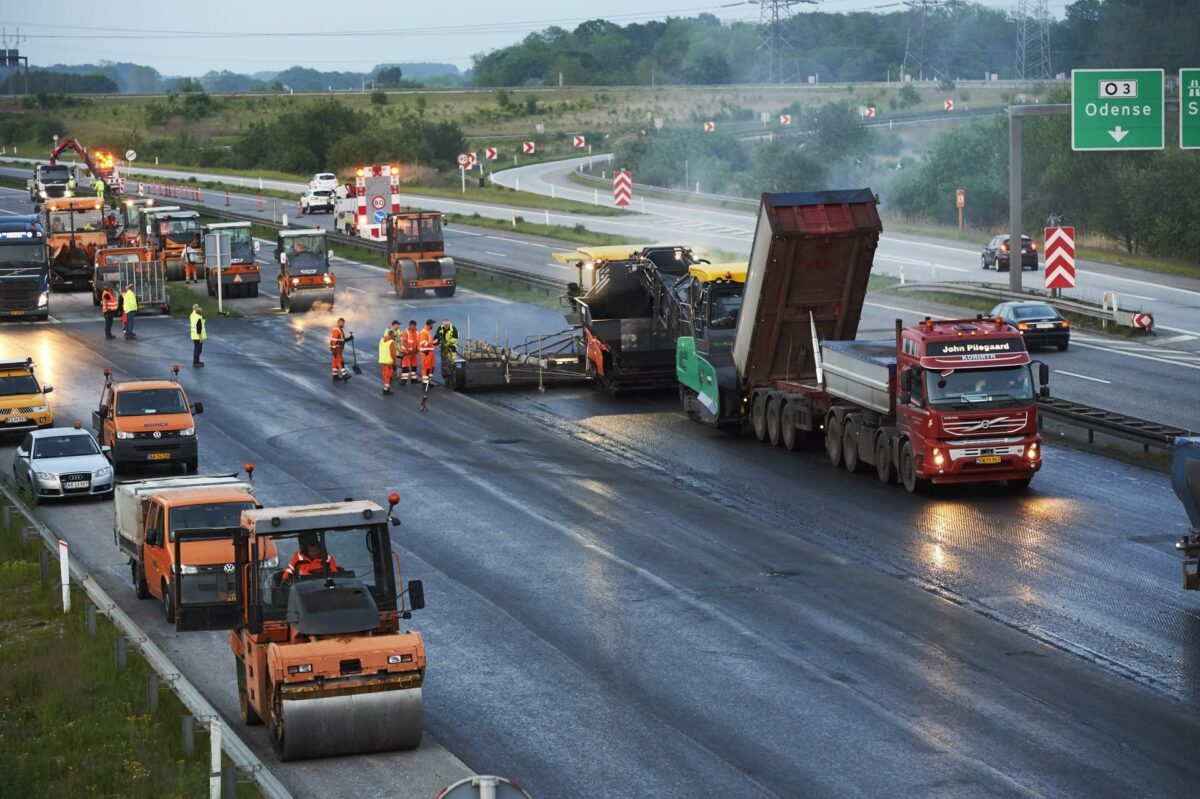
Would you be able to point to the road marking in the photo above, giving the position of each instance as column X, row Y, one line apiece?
column 1178, row 330
column 1179, row 339
column 1136, row 355
column 1137, row 296
column 497, row 254
column 351, row 288
column 487, row 297
column 1082, row 377
column 518, row 241
column 926, row 264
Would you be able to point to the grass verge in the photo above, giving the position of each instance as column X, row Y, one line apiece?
column 577, row 234
column 183, row 298
column 71, row 723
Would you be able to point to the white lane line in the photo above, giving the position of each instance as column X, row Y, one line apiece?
column 13, row 213
column 457, row 232
column 1082, row 377
column 351, row 288
column 1180, row 330
column 1142, row 356
column 1138, row 296
column 915, row 262
column 497, row 254
column 1179, row 339
column 518, row 241
column 487, row 297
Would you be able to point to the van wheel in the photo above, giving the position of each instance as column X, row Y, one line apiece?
column 140, row 587
column 908, row 471
column 833, row 440
column 191, row 464
column 168, row 604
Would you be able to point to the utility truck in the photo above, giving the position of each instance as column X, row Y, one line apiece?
column 941, row 402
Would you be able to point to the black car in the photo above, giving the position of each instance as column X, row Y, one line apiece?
column 995, row 254
column 1039, row 322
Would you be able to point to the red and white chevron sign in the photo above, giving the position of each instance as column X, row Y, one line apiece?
column 785, row 119
column 622, row 188
column 1142, row 321
column 580, row 142
column 1060, row 257
column 489, row 153
column 710, row 126
column 869, row 112
column 948, row 105
column 528, row 148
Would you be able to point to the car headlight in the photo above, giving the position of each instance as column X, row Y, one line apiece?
column 46, row 475
column 188, row 431
column 104, row 471
column 269, row 563
column 123, row 434
column 39, row 409
column 44, row 299
column 186, row 569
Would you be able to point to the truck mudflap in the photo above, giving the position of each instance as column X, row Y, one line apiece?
column 1185, row 480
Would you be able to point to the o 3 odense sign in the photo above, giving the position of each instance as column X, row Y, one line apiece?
column 1117, row 109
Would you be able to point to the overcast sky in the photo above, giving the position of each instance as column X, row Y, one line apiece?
column 193, row 37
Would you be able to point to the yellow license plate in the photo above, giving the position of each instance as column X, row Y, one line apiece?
column 988, row 459
column 165, row 456
column 18, row 313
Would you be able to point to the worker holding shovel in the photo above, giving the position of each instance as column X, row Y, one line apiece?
column 337, row 345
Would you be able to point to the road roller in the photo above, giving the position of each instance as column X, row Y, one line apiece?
column 304, row 276
column 320, row 654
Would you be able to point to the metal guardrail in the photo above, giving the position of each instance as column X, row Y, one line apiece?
column 489, row 270
column 241, row 754
column 992, row 291
column 1098, row 420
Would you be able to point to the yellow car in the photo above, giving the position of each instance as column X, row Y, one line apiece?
column 23, row 403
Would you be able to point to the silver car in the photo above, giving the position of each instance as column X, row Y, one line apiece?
column 62, row 462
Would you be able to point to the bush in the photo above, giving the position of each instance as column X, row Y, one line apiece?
column 909, row 96
column 379, row 98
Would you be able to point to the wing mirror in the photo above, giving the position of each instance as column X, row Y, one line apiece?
column 282, row 257
column 906, row 380
column 198, row 408
column 257, row 245
column 47, row 389
column 329, row 256
column 416, row 594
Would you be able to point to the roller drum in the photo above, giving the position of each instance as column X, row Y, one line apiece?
column 325, row 726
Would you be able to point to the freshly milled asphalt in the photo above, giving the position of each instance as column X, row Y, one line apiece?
column 622, row 603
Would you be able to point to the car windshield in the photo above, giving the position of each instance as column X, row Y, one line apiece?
column 65, row 446
column 23, row 254
column 144, row 402
column 1006, row 385
column 355, row 552
column 1034, row 311
column 13, row 385
column 208, row 516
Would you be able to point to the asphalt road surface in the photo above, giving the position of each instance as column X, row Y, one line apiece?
column 622, row 603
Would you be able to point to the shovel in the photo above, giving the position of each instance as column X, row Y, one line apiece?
column 354, row 367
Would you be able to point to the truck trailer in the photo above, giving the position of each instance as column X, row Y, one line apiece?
column 941, row 402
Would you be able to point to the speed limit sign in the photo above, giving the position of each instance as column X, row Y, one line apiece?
column 464, row 160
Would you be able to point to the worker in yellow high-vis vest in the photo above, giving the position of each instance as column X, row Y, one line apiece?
column 129, row 308
column 199, row 328
column 387, row 359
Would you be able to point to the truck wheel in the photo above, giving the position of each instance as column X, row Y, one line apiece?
column 140, row 588
column 885, row 467
column 908, row 471
column 850, row 447
column 787, row 427
column 445, row 291
column 168, row 604
column 773, row 420
column 758, row 416
column 249, row 716
column 833, row 440
column 1018, row 486
column 401, row 290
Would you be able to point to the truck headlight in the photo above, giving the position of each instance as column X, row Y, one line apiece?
column 328, row 280
column 188, row 431
column 394, row 659
column 1032, row 452
column 43, row 299
column 304, row 668
column 123, row 434
column 186, row 569
column 104, row 471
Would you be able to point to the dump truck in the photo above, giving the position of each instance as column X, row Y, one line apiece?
column 147, row 421
column 24, row 268
column 118, row 267
column 75, row 226
column 319, row 650
column 169, row 231
column 417, row 255
column 49, row 182
column 304, row 276
column 241, row 277
column 1185, row 480
column 364, row 209
column 942, row 402
column 178, row 533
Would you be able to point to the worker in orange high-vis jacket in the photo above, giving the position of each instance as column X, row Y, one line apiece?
column 409, row 345
column 425, row 349
column 108, row 306
column 387, row 359
column 337, row 345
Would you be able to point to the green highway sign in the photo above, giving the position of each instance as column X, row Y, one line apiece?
column 1189, row 109
column 1117, row 109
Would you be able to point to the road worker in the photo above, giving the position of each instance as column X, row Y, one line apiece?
column 310, row 559
column 409, row 341
column 190, row 256
column 425, row 350
column 129, row 309
column 199, row 329
column 71, row 185
column 337, row 345
column 387, row 359
column 98, row 184
column 108, row 306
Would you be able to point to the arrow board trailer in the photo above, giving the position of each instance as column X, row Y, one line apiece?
column 374, row 194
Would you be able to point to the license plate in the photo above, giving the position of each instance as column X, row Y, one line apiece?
column 76, row 484
column 18, row 419
column 1023, row 252
column 159, row 456
column 988, row 459
column 1045, row 325
column 18, row 313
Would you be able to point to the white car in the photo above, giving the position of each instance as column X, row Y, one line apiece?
column 324, row 180
column 62, row 462
column 317, row 201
